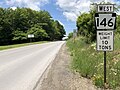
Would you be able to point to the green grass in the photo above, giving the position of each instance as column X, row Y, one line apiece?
column 89, row 62
column 19, row 45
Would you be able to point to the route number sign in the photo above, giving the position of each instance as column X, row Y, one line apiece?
column 105, row 21
column 105, row 8
column 105, row 40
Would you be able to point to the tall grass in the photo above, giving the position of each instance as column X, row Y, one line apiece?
column 89, row 62
column 19, row 45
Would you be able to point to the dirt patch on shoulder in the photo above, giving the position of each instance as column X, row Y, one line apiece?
column 60, row 76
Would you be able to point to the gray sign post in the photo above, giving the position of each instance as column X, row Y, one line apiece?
column 74, row 34
column 30, row 36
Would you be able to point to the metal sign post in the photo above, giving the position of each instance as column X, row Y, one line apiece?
column 74, row 35
column 30, row 36
column 105, row 68
column 105, row 22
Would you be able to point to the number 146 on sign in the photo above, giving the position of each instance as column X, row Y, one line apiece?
column 105, row 21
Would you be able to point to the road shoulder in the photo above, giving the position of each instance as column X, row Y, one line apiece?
column 59, row 76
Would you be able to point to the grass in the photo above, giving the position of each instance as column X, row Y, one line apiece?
column 89, row 62
column 19, row 45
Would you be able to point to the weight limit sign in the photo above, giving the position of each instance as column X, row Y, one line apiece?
column 105, row 40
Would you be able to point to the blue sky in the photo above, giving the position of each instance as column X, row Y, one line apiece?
column 57, row 14
column 65, row 11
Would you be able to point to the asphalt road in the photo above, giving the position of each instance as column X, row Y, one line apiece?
column 21, row 68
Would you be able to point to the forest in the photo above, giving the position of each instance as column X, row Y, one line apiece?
column 16, row 25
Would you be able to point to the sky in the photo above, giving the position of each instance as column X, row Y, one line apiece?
column 65, row 11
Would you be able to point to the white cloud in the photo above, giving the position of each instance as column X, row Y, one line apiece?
column 72, row 8
column 33, row 4
column 70, row 16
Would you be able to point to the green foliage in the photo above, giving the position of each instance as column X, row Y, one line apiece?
column 19, row 35
column 118, row 24
column 59, row 32
column 70, row 35
column 16, row 24
column 89, row 63
column 38, row 32
column 86, row 60
column 86, row 23
column 86, row 27
column 19, row 45
column 83, row 60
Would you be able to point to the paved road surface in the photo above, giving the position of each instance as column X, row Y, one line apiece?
column 21, row 68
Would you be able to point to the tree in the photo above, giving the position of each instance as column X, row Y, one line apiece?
column 59, row 30
column 70, row 35
column 39, row 33
column 16, row 24
column 86, row 27
column 118, row 24
column 6, row 26
column 19, row 36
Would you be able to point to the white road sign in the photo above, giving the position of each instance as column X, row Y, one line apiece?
column 105, row 8
column 105, row 21
column 105, row 40
column 31, row 36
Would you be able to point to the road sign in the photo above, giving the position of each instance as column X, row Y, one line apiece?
column 105, row 40
column 105, row 8
column 74, row 33
column 31, row 36
column 105, row 21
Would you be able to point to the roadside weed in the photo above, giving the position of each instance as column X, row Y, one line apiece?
column 89, row 62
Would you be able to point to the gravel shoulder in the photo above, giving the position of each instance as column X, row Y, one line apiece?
column 59, row 76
